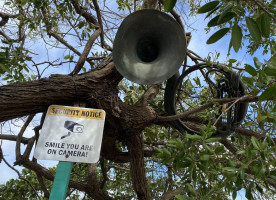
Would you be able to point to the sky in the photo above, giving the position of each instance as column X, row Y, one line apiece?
column 197, row 44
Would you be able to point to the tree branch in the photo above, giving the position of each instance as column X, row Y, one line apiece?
column 149, row 4
column 148, row 95
column 99, row 16
column 93, row 184
column 35, row 96
column 14, row 138
column 171, row 194
column 56, row 36
column 20, row 134
column 22, row 178
column 5, row 18
column 135, row 147
column 85, row 52
column 43, row 186
column 245, row 98
column 49, row 175
column 265, row 10
column 84, row 13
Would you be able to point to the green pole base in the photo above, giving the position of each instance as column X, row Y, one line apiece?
column 61, row 181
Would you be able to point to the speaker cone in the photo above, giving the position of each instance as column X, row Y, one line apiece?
column 149, row 47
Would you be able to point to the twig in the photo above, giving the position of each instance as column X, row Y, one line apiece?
column 225, row 111
column 20, row 134
column 43, row 186
column 245, row 98
column 176, row 16
column 1, row 154
column 99, row 16
column 86, row 51
column 263, row 8
column 195, row 57
column 56, row 36
column 22, row 178
column 88, row 16
column 104, row 173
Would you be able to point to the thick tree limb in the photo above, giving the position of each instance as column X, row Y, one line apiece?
column 26, row 98
column 135, row 146
column 148, row 95
column 93, row 184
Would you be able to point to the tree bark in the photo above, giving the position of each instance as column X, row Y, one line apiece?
column 135, row 145
column 21, row 99
column 93, row 184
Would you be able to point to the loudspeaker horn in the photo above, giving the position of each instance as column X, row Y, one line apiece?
column 149, row 47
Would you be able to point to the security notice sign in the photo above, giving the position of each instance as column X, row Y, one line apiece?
column 71, row 134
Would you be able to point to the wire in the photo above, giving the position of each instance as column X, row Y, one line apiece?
column 229, row 85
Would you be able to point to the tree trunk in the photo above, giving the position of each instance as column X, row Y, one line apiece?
column 135, row 145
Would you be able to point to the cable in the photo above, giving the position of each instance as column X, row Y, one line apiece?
column 229, row 85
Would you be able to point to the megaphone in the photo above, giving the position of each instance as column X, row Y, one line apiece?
column 149, row 47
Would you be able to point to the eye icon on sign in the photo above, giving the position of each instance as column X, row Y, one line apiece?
column 72, row 127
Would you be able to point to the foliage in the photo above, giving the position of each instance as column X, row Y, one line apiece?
column 247, row 20
column 19, row 189
column 45, row 37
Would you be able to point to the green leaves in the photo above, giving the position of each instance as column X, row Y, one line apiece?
column 269, row 71
column 204, row 157
column 253, row 29
column 208, row 7
column 236, row 37
column 229, row 10
column 217, row 35
column 225, row 11
column 194, row 137
column 251, row 70
column 268, row 93
column 264, row 22
column 210, row 140
column 5, row 68
column 169, row 4
column 221, row 20
column 255, row 142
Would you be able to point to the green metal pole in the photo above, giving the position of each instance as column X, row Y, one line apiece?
column 61, row 181
column 62, row 176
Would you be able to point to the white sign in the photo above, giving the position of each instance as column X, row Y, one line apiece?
column 71, row 134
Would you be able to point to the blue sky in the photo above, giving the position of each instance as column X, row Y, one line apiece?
column 197, row 44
